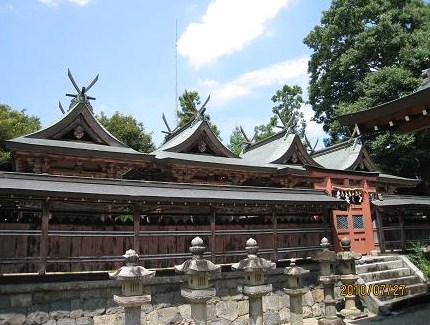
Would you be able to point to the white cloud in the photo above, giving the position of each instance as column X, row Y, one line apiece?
column 294, row 70
column 226, row 27
column 57, row 2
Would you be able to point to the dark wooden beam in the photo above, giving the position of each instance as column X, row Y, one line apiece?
column 402, row 231
column 44, row 236
column 275, row 235
column 212, row 217
column 381, row 234
column 136, row 227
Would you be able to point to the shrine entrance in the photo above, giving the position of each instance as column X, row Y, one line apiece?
column 356, row 222
column 353, row 224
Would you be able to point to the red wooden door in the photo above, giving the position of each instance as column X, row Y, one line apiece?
column 353, row 224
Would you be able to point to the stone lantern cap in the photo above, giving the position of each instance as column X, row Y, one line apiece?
column 347, row 254
column 295, row 271
column 131, row 271
column 253, row 263
column 325, row 255
column 197, row 263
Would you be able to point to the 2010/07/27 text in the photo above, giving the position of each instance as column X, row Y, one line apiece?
column 372, row 289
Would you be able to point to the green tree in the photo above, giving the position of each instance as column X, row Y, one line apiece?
column 287, row 104
column 237, row 141
column 128, row 130
column 190, row 102
column 14, row 124
column 360, row 37
column 264, row 131
column 365, row 53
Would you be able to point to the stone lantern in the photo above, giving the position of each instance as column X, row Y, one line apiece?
column 326, row 257
column 132, row 277
column 295, row 290
column 254, row 268
column 198, row 291
column 348, row 278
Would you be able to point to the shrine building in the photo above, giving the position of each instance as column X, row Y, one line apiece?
column 78, row 197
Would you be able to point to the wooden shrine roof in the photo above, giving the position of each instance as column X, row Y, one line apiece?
column 405, row 115
column 193, row 134
column 403, row 201
column 78, row 133
column 75, row 148
column 281, row 148
column 224, row 162
column 21, row 185
column 347, row 155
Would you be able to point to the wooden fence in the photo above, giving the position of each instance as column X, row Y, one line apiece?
column 99, row 247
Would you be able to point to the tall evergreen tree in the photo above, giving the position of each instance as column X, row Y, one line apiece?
column 189, row 102
column 237, row 141
column 287, row 104
column 367, row 52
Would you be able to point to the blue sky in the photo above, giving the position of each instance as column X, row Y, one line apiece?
column 238, row 51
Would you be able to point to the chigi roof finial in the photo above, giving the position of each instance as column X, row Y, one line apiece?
column 81, row 96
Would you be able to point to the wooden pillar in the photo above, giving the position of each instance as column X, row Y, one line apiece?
column 402, row 230
column 275, row 235
column 136, row 227
column 212, row 216
column 325, row 219
column 44, row 240
column 381, row 234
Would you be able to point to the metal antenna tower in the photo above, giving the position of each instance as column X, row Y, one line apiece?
column 176, row 72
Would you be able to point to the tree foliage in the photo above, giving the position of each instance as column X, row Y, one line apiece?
column 237, row 141
column 360, row 37
column 365, row 53
column 189, row 102
column 287, row 104
column 128, row 130
column 14, row 124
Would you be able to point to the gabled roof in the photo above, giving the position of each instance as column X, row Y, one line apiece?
column 347, row 155
column 196, row 137
column 79, row 115
column 78, row 129
column 281, row 148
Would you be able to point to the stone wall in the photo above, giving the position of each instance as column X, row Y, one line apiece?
column 91, row 302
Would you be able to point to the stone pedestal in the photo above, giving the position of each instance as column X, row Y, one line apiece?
column 348, row 277
column 198, row 302
column 327, row 278
column 295, row 290
column 132, row 277
column 296, row 305
column 254, row 268
column 255, row 297
column 330, row 317
column 198, row 292
column 132, row 307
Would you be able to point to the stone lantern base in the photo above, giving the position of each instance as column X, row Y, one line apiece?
column 331, row 321
column 255, row 291
column 132, row 306
column 198, row 295
column 132, row 301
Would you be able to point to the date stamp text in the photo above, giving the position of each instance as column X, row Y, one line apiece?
column 372, row 289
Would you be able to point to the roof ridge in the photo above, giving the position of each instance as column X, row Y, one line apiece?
column 334, row 147
column 267, row 140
